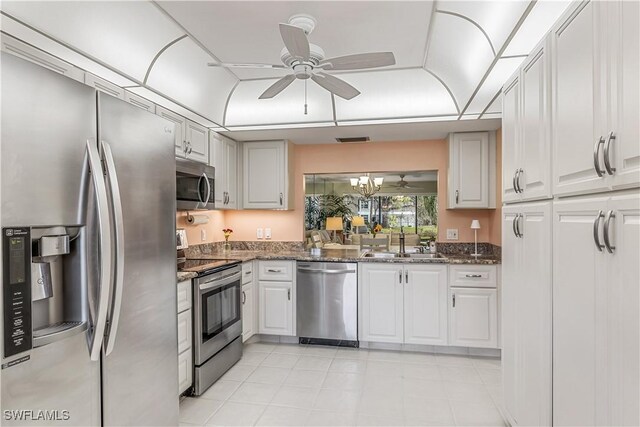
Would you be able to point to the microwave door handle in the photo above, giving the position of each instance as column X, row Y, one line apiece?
column 199, row 192
column 118, row 222
column 206, row 181
column 104, row 229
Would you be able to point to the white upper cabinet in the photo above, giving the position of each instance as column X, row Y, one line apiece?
column 197, row 142
column 181, row 129
column 103, row 86
column 266, row 169
column 425, row 304
column 224, row 157
column 510, row 139
column 471, row 170
column 595, row 98
column 139, row 102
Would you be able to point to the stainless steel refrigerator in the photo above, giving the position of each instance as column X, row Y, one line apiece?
column 88, row 255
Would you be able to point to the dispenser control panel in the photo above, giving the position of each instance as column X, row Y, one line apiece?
column 16, row 276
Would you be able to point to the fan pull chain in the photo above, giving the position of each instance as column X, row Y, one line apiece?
column 305, row 96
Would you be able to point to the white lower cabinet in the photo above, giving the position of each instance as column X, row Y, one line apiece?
column 185, row 336
column 248, row 303
column 276, row 296
column 403, row 303
column 596, row 315
column 526, row 312
column 473, row 317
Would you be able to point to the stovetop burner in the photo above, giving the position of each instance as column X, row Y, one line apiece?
column 202, row 266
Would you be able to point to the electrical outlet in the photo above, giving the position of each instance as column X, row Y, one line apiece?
column 203, row 234
column 452, row 234
column 259, row 233
column 267, row 233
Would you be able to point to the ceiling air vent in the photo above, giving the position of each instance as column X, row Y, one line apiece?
column 353, row 140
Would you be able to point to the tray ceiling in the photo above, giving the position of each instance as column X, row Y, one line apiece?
column 452, row 57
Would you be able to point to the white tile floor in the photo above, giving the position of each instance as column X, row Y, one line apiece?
column 295, row 385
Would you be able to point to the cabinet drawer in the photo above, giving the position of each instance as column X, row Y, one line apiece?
column 247, row 272
column 473, row 276
column 276, row 270
column 185, row 371
column 184, row 331
column 184, row 296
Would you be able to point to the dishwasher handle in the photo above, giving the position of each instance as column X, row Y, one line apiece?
column 327, row 271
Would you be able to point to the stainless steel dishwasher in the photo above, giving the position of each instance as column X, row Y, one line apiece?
column 327, row 302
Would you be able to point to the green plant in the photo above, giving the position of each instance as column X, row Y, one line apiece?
column 318, row 208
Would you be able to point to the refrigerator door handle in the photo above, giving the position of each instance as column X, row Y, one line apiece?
column 118, row 221
column 100, row 321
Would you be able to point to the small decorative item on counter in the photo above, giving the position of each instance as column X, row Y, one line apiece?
column 227, row 233
column 376, row 229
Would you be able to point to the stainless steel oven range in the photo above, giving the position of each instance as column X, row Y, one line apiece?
column 217, row 319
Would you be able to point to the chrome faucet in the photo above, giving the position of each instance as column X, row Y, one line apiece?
column 402, row 245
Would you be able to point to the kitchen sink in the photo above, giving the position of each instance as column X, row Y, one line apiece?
column 387, row 255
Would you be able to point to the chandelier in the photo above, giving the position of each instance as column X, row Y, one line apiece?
column 367, row 186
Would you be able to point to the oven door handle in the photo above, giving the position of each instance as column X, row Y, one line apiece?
column 218, row 282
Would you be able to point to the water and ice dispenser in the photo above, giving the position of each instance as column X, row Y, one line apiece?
column 42, row 288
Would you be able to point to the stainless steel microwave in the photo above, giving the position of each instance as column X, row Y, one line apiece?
column 194, row 185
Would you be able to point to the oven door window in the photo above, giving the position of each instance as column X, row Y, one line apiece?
column 220, row 309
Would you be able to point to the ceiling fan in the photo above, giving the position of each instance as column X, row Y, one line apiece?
column 307, row 61
column 402, row 183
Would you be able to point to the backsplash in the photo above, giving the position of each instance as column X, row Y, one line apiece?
column 447, row 248
column 215, row 247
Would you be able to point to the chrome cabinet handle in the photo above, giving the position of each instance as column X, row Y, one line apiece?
column 520, row 217
column 596, row 156
column 247, row 272
column 513, row 224
column 116, row 206
column 520, row 172
column 244, row 297
column 289, row 294
column 406, row 277
column 400, row 276
column 104, row 230
column 454, row 300
column 273, row 270
column 607, row 154
column 281, row 199
column 206, row 181
column 226, row 195
column 184, row 147
column 474, row 276
column 607, row 225
column 515, row 186
column 596, row 224
column 457, row 196
column 189, row 148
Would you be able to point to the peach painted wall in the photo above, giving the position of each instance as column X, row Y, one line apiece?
column 372, row 157
column 213, row 228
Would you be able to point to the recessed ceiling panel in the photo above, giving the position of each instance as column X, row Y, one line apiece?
column 459, row 54
column 181, row 72
column 394, row 94
column 124, row 34
column 247, row 31
column 501, row 71
column 543, row 15
column 497, row 18
column 246, row 109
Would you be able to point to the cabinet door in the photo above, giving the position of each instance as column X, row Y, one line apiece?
column 511, row 284
column 276, row 308
column 576, row 90
column 217, row 160
column 510, row 139
column 184, row 331
column 197, row 142
column 624, row 319
column 425, row 304
column 535, row 138
column 624, row 33
column 139, row 102
column 264, row 173
column 533, row 322
column 248, row 302
column 185, row 371
column 469, row 163
column 381, row 303
column 579, row 313
column 231, row 166
column 180, row 123
column 473, row 319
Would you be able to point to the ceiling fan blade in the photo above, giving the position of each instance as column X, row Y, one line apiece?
column 277, row 87
column 232, row 65
column 335, row 85
column 359, row 61
column 295, row 40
